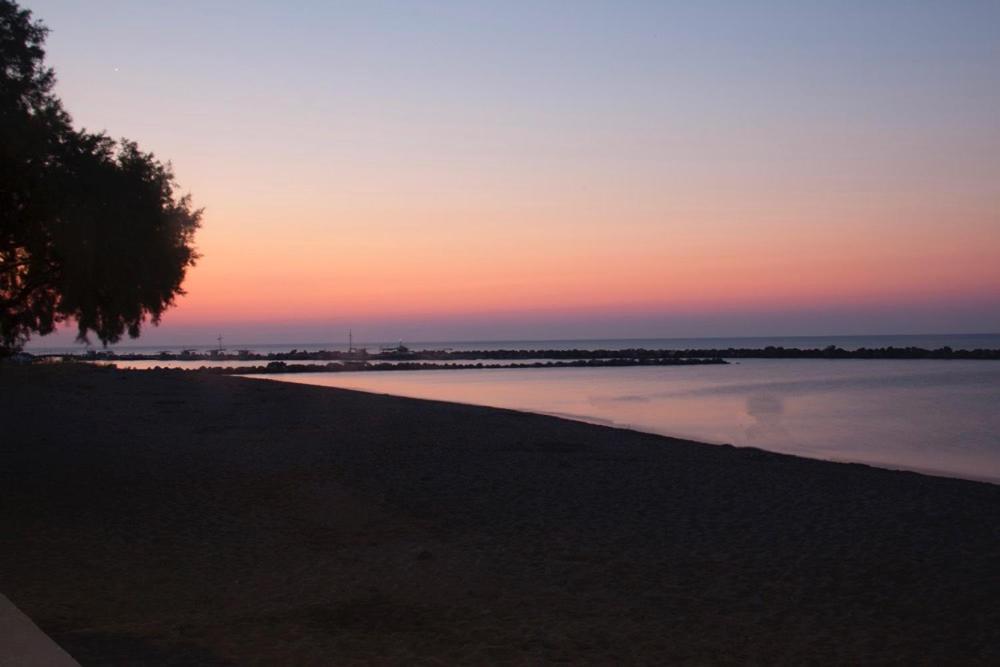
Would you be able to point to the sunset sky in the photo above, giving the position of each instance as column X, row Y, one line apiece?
column 456, row 170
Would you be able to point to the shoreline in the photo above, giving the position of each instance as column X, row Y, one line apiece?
column 608, row 423
column 173, row 518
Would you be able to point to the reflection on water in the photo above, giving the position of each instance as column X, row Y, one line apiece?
column 768, row 428
column 937, row 416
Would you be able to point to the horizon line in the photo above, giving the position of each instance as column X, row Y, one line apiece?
column 36, row 343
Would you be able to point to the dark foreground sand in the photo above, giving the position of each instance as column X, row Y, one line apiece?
column 170, row 518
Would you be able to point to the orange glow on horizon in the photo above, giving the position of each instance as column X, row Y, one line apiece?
column 386, row 268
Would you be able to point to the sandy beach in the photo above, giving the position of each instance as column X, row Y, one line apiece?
column 173, row 518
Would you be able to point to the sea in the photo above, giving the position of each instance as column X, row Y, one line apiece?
column 927, row 341
column 939, row 417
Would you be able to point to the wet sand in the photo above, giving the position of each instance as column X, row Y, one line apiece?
column 179, row 518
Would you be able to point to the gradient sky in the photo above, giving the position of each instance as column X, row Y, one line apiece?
column 454, row 170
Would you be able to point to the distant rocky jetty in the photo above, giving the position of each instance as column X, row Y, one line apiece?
column 333, row 366
column 633, row 356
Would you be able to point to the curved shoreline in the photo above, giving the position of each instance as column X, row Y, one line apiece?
column 610, row 423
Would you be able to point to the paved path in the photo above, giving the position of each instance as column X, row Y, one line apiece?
column 22, row 644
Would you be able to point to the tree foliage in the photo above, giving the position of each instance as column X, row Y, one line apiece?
column 91, row 230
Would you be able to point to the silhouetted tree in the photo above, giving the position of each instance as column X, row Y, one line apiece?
column 90, row 228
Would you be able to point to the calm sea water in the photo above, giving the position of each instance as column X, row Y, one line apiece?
column 941, row 417
column 931, row 341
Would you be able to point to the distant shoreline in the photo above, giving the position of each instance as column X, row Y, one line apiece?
column 932, row 341
column 405, row 359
